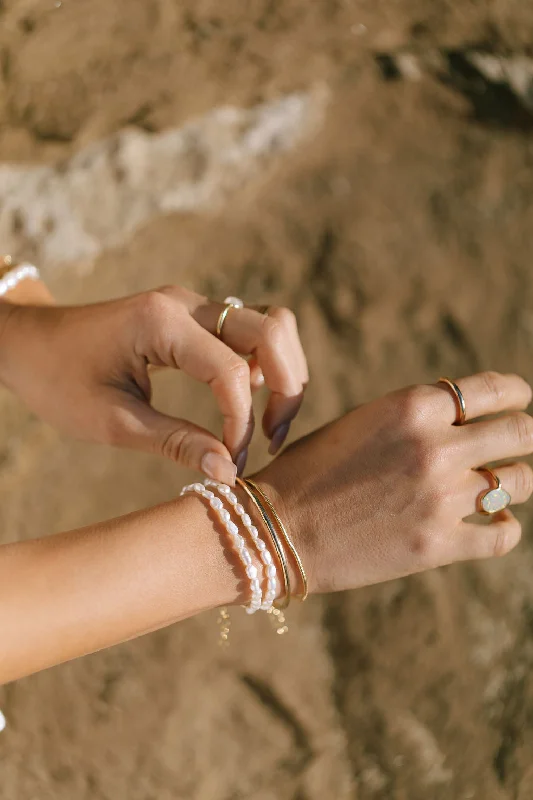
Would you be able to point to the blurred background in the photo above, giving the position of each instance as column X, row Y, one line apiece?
column 370, row 164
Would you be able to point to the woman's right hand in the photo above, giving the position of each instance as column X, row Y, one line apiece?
column 384, row 492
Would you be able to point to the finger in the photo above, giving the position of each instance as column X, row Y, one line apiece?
column 283, row 407
column 274, row 342
column 485, row 393
column 172, row 338
column 510, row 436
column 139, row 426
column 476, row 541
column 517, row 479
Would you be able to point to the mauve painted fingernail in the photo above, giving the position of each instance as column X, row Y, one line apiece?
column 280, row 434
column 219, row 468
column 241, row 461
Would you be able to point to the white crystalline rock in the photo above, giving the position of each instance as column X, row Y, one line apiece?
column 97, row 199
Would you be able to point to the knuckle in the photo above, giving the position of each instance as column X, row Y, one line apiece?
column 285, row 316
column 524, row 480
column 237, row 370
column 421, row 546
column 273, row 333
column 521, row 429
column 175, row 446
column 156, row 304
column 413, row 406
column 493, row 385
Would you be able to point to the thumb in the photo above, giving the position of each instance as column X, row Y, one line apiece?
column 144, row 428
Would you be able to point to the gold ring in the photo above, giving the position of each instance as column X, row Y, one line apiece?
column 496, row 499
column 461, row 405
column 231, row 302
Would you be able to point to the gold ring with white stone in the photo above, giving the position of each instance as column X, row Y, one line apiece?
column 496, row 499
column 230, row 302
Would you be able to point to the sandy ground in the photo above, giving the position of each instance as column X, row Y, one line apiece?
column 399, row 227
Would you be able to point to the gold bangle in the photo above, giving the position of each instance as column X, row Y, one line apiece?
column 286, row 536
column 278, row 545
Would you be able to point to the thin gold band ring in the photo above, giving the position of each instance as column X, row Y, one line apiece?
column 459, row 399
column 231, row 302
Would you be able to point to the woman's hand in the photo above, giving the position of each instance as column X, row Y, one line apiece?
column 384, row 491
column 86, row 371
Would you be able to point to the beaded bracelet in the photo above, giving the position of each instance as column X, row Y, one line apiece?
column 238, row 542
column 14, row 276
column 269, row 567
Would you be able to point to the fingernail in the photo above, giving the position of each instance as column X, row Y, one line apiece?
column 219, row 468
column 279, row 436
column 241, row 461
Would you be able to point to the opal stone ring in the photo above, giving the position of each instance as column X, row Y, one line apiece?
column 496, row 499
column 229, row 303
column 459, row 400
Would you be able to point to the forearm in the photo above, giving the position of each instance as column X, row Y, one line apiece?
column 74, row 593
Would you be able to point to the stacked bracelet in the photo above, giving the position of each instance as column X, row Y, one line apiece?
column 241, row 529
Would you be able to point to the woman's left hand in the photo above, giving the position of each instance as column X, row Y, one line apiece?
column 86, row 371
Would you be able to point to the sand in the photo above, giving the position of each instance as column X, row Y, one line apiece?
column 395, row 217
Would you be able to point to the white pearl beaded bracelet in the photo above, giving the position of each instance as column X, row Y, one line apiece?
column 19, row 273
column 238, row 541
column 264, row 554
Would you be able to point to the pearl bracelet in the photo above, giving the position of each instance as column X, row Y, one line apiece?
column 16, row 275
column 238, row 541
column 269, row 568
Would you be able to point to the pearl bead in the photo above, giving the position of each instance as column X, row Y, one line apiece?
column 209, row 495
column 272, row 585
column 246, row 518
column 232, row 528
column 247, row 558
column 197, row 487
column 251, row 572
column 261, row 545
column 266, row 557
column 223, row 489
column 271, row 571
column 232, row 499
column 216, row 503
column 225, row 516
column 239, row 510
